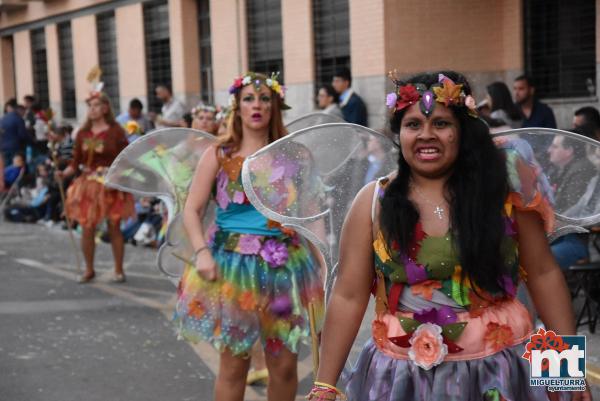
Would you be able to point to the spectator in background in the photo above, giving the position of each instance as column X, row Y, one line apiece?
column 135, row 113
column 353, row 107
column 14, row 134
column 586, row 116
column 2, row 185
column 570, row 175
column 535, row 113
column 204, row 118
column 12, row 172
column 502, row 107
column 327, row 101
column 172, row 110
column 29, row 114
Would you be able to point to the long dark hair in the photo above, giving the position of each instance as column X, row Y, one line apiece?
column 477, row 186
column 502, row 100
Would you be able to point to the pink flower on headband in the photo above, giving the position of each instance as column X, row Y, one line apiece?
column 408, row 95
column 390, row 100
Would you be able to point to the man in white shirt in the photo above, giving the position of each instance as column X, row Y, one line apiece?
column 172, row 110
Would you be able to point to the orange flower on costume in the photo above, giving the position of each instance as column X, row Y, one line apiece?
column 426, row 288
column 498, row 336
column 379, row 330
column 227, row 291
column 217, row 329
column 478, row 304
column 448, row 93
column 196, row 309
column 247, row 301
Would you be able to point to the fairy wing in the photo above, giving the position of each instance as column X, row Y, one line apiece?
column 310, row 120
column 536, row 172
column 308, row 179
column 161, row 164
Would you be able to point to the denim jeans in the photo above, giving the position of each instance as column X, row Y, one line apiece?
column 567, row 250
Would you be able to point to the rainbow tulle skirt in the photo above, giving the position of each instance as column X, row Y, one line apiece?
column 265, row 286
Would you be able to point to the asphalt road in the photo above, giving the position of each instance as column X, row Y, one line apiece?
column 62, row 341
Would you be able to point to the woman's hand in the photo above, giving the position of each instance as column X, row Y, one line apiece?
column 206, row 265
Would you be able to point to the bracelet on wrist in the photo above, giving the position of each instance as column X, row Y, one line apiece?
column 325, row 392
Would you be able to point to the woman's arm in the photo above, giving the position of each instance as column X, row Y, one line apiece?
column 545, row 280
column 194, row 208
column 352, row 289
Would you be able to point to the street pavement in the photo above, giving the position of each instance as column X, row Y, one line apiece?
column 62, row 341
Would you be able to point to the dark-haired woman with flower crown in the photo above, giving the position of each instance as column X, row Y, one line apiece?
column 252, row 279
column 451, row 236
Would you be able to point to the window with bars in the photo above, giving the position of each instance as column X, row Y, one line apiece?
column 560, row 47
column 40, row 67
column 206, row 82
column 332, row 38
column 265, row 43
column 107, row 56
column 158, row 51
column 67, row 73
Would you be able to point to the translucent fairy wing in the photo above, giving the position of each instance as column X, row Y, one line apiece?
column 573, row 189
column 160, row 164
column 310, row 120
column 308, row 179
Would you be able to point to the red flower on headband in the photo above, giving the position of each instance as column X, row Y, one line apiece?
column 407, row 96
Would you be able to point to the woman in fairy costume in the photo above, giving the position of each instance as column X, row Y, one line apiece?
column 89, row 201
column 448, row 233
column 252, row 279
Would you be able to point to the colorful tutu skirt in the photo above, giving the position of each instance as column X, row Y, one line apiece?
column 89, row 202
column 265, row 286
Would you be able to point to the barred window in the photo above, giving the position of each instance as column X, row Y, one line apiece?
column 67, row 73
column 107, row 56
column 560, row 47
column 158, row 50
column 332, row 38
column 40, row 67
column 265, row 43
column 206, row 76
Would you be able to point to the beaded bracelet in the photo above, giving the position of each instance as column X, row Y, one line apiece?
column 324, row 392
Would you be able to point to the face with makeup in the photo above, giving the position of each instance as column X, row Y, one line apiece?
column 430, row 145
column 255, row 107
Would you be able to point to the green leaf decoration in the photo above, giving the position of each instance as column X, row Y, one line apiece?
column 453, row 330
column 409, row 325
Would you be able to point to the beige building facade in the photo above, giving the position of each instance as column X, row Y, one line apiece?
column 198, row 46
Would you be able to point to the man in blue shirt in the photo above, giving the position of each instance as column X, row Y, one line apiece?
column 14, row 136
column 353, row 107
column 535, row 113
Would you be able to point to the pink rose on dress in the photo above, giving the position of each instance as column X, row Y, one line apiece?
column 427, row 346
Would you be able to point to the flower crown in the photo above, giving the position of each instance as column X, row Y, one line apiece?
column 203, row 107
column 258, row 80
column 445, row 91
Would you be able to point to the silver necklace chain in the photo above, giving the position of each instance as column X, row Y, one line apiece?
column 438, row 211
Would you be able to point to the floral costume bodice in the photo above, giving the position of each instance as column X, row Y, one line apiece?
column 431, row 271
column 234, row 211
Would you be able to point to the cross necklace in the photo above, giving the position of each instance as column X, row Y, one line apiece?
column 438, row 211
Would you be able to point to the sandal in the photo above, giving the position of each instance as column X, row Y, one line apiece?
column 86, row 278
column 118, row 278
column 257, row 377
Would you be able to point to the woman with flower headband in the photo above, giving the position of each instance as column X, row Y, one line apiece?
column 98, row 143
column 252, row 279
column 449, row 232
